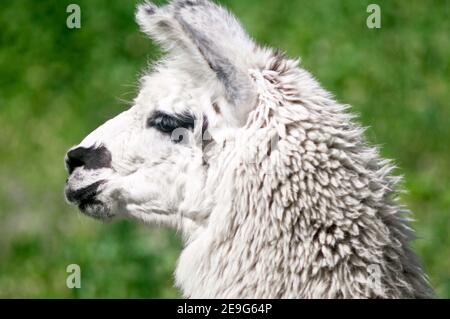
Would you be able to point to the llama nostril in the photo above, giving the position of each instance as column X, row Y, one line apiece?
column 89, row 158
column 75, row 158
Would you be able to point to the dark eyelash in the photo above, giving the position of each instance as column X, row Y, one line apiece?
column 166, row 123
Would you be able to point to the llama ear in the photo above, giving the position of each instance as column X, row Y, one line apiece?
column 211, row 38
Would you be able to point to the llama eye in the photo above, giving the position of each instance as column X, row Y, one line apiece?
column 166, row 123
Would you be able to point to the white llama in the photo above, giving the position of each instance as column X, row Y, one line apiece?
column 266, row 176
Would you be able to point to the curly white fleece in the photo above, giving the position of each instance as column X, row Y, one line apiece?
column 313, row 216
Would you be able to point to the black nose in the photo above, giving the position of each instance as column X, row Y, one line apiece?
column 88, row 158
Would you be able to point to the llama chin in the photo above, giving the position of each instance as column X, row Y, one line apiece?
column 314, row 215
column 86, row 201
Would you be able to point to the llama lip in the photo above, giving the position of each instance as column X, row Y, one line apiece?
column 84, row 196
column 83, row 206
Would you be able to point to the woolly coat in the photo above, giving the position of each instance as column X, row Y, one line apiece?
column 304, row 207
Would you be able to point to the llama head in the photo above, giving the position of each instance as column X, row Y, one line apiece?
column 145, row 162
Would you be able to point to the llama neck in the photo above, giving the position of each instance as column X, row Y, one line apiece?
column 316, row 216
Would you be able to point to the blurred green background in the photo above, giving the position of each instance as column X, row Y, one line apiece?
column 57, row 84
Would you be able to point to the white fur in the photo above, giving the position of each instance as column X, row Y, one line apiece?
column 288, row 202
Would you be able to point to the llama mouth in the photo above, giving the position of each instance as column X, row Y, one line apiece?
column 84, row 197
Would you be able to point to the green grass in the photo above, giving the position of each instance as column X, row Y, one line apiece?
column 56, row 85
